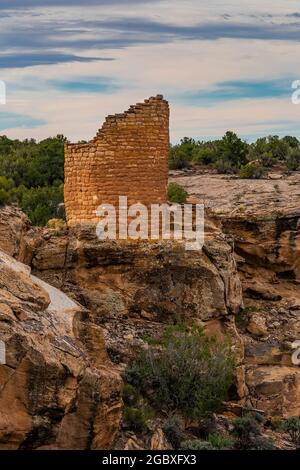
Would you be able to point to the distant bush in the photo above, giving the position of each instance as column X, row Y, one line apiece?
column 6, row 186
column 136, row 411
column 196, row 444
column 267, row 160
column 220, row 441
column 32, row 175
column 136, row 418
column 252, row 171
column 205, row 155
column 177, row 193
column 205, row 369
column 232, row 151
column 40, row 203
column 292, row 427
column 293, row 159
column 178, row 159
column 225, row 167
column 174, row 432
column 248, row 433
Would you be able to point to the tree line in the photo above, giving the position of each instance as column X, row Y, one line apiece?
column 233, row 155
column 32, row 173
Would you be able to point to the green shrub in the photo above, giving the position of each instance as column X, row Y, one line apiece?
column 205, row 369
column 232, row 152
column 242, row 318
column 205, row 155
column 174, row 432
column 247, row 431
column 131, row 396
column 136, row 418
column 40, row 204
column 177, row 193
column 252, row 171
column 267, row 160
column 220, row 441
column 225, row 167
column 293, row 159
column 177, row 159
column 196, row 444
column 292, row 427
column 32, row 175
column 6, row 186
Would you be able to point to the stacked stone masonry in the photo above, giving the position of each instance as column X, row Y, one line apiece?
column 128, row 157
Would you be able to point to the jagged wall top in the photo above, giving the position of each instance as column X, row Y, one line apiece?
column 127, row 157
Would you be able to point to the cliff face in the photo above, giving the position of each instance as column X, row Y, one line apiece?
column 267, row 250
column 56, row 391
column 61, row 384
column 129, row 287
column 262, row 218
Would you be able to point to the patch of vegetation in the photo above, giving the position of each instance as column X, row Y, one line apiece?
column 174, row 432
column 243, row 317
column 177, row 193
column 292, row 427
column 136, row 411
column 196, row 444
column 205, row 368
column 136, row 418
column 251, row 171
column 220, row 441
column 232, row 154
column 32, row 175
column 248, row 433
column 293, row 159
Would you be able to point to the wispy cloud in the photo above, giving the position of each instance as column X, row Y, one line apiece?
column 220, row 63
column 13, row 4
column 12, row 120
column 34, row 59
column 85, row 85
column 237, row 90
column 56, row 35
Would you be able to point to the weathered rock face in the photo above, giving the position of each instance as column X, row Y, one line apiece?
column 14, row 224
column 132, row 288
column 56, row 391
column 128, row 291
column 262, row 218
column 271, row 241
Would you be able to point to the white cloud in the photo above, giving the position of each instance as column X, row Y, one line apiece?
column 143, row 70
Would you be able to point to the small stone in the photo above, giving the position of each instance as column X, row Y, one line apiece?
column 257, row 326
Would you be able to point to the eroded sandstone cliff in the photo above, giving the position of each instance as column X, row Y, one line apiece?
column 57, row 391
column 62, row 381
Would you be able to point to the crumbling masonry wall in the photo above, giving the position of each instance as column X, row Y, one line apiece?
column 128, row 157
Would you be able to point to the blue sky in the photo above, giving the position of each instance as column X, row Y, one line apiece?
column 221, row 64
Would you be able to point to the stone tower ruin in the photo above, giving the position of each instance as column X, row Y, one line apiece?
column 128, row 157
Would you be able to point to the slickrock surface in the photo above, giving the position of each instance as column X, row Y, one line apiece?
column 226, row 195
column 53, row 393
column 263, row 219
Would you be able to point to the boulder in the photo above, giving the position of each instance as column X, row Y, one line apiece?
column 53, row 393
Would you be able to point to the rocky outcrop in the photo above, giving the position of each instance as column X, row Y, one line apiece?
column 132, row 289
column 53, row 393
column 262, row 218
column 14, row 225
column 124, row 292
